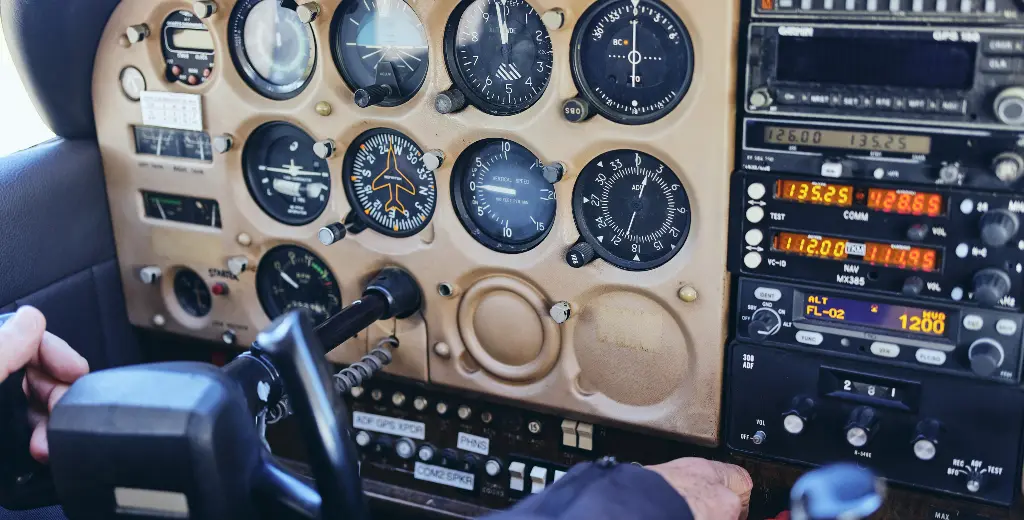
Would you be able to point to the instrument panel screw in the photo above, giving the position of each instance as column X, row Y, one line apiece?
column 244, row 239
column 324, row 108
column 443, row 350
column 446, row 289
column 376, row 395
column 486, row 417
column 688, row 294
column 356, row 392
column 159, row 320
column 420, row 404
column 442, row 408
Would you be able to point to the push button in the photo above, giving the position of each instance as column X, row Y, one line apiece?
column 1006, row 327
column 973, row 322
column 1000, row 65
column 953, row 106
column 886, row 350
column 930, row 357
column 917, row 104
column 768, row 294
column 1009, row 46
column 809, row 338
column 517, row 478
column 538, row 479
column 831, row 169
column 882, row 102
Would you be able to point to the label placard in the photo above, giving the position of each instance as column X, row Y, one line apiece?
column 172, row 110
column 445, row 476
column 473, row 443
column 389, row 425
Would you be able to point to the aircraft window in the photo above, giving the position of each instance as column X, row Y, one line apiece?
column 21, row 127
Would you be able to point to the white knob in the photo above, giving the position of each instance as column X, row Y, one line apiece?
column 492, row 467
column 204, row 8
column 238, row 264
column 426, row 453
column 325, row 149
column 308, row 12
column 150, row 274
column 363, row 439
column 560, row 312
column 405, row 449
column 433, row 159
column 137, row 33
column 1009, row 106
column 223, row 143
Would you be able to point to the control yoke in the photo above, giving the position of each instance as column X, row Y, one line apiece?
column 179, row 440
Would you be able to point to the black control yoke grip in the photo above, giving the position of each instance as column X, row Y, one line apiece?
column 290, row 344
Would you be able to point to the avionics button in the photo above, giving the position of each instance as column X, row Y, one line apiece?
column 788, row 97
column 886, row 350
column 820, row 100
column 899, row 103
column 953, row 106
column 883, row 102
column 831, row 169
column 768, row 294
column 973, row 322
column 809, row 338
column 930, row 357
column 850, row 101
column 517, row 479
column 538, row 479
column 933, row 105
column 1000, row 65
column 1003, row 46
column 917, row 104
column 1006, row 327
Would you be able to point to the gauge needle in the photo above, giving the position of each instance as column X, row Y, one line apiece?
column 634, row 58
column 642, row 186
column 630, row 228
column 289, row 279
column 502, row 26
column 498, row 189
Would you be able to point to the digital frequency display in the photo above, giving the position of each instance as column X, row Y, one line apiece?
column 900, row 256
column 191, row 39
column 900, row 202
column 867, row 141
column 876, row 315
column 838, row 383
column 888, row 62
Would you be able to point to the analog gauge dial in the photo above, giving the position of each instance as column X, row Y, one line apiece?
column 289, row 182
column 632, row 209
column 499, row 54
column 290, row 277
column 187, row 47
column 192, row 293
column 632, row 59
column 502, row 197
column 383, row 45
column 390, row 189
column 273, row 50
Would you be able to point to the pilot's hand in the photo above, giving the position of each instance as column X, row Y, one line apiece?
column 714, row 490
column 51, row 365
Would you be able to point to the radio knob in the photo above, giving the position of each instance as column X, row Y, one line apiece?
column 580, row 254
column 801, row 412
column 1008, row 167
column 986, row 357
column 765, row 322
column 862, row 426
column 918, row 232
column 405, row 448
column 998, row 227
column 1009, row 106
column 913, row 286
column 926, row 439
column 761, row 98
column 951, row 174
column 990, row 286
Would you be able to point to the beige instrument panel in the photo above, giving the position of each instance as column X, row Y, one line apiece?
column 635, row 350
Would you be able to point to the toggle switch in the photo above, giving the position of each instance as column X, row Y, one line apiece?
column 585, row 433
column 569, row 433
column 517, row 476
column 538, row 479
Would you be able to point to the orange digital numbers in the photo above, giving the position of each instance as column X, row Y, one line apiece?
column 826, row 194
column 905, row 202
column 899, row 256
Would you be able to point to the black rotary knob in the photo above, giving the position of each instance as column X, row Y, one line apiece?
column 450, row 101
column 913, row 286
column 918, row 232
column 986, row 356
column 998, row 227
column 926, row 439
column 990, row 286
column 580, row 254
column 801, row 411
column 763, row 323
column 861, row 426
column 576, row 110
column 372, row 95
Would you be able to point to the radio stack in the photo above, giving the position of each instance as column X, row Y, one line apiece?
column 876, row 246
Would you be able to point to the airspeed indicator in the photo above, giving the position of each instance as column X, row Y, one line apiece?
column 632, row 209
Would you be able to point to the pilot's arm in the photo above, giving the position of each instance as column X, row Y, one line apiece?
column 685, row 489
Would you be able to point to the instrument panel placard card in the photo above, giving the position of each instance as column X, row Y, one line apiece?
column 389, row 425
column 445, row 476
column 172, row 110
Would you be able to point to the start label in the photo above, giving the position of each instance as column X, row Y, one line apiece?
column 473, row 443
column 389, row 425
column 445, row 476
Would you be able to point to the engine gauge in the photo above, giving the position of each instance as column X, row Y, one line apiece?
column 192, row 293
column 291, row 277
column 272, row 49
column 498, row 54
column 381, row 50
column 501, row 195
column 187, row 47
column 632, row 209
column 289, row 182
column 632, row 59
column 390, row 189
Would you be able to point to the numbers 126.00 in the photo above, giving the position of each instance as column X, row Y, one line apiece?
column 923, row 324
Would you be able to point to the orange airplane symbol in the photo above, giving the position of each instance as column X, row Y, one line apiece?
column 394, row 180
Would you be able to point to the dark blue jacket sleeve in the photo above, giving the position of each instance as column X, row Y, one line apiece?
column 603, row 491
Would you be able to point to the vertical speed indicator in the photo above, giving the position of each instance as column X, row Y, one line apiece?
column 631, row 209
column 390, row 189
